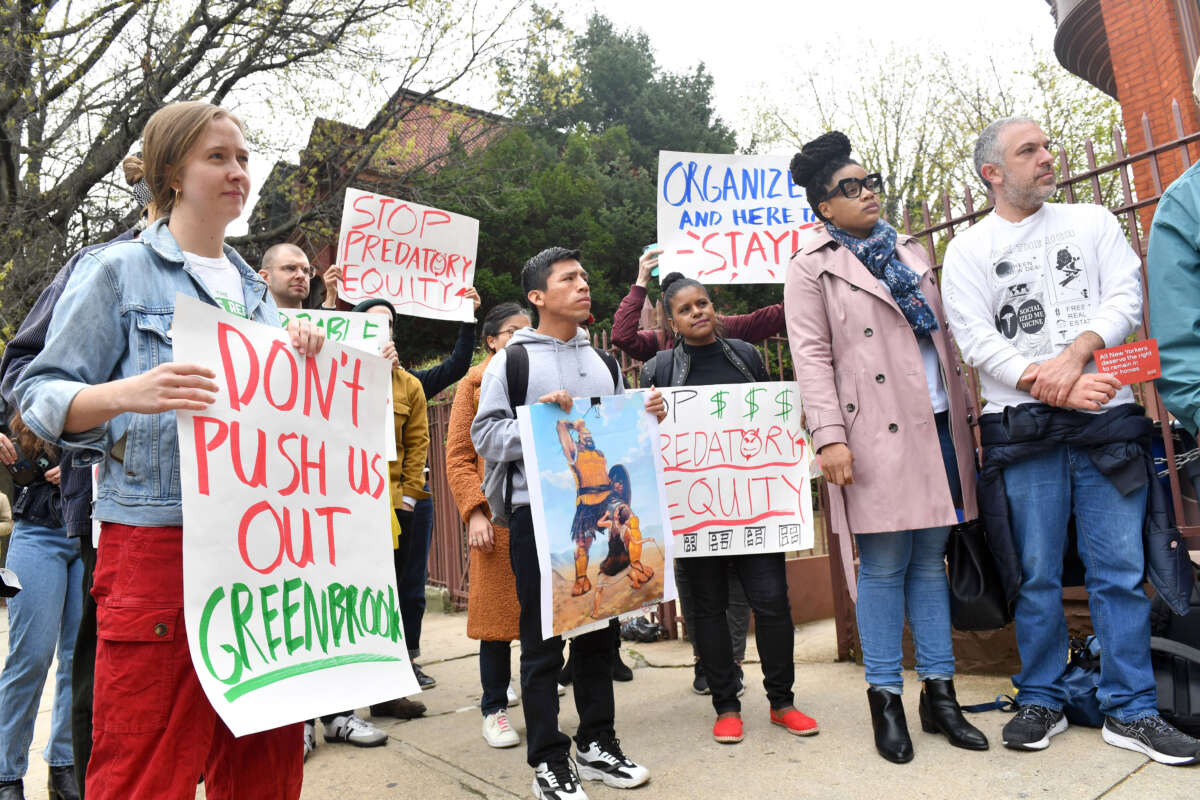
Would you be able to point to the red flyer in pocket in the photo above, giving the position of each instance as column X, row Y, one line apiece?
column 1131, row 363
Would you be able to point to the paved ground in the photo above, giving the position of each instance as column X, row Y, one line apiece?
column 664, row 725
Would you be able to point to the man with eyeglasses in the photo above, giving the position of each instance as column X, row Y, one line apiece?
column 1032, row 291
column 288, row 274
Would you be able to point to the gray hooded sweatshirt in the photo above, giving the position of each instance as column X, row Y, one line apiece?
column 553, row 365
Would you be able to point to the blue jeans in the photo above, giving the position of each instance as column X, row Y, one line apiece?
column 904, row 572
column 416, row 575
column 45, row 613
column 1043, row 492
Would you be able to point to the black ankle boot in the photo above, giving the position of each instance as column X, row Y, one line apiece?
column 891, row 729
column 12, row 790
column 941, row 713
column 61, row 783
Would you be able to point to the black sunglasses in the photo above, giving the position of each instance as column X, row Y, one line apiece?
column 852, row 187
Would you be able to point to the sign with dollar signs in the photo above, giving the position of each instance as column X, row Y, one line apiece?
column 736, row 466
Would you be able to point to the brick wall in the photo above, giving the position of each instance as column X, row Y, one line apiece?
column 1146, row 43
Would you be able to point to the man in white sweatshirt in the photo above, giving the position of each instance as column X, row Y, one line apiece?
column 1032, row 291
column 562, row 364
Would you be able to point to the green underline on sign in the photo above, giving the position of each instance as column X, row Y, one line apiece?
column 302, row 669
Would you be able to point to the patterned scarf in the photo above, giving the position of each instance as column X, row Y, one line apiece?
column 878, row 254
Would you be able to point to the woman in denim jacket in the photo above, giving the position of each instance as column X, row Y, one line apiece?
column 106, row 387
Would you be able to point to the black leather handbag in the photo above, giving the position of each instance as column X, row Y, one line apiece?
column 977, row 598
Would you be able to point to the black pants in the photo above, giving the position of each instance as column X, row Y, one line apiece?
column 83, row 668
column 541, row 660
column 764, row 580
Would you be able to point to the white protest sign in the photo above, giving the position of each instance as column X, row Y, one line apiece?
column 289, row 592
column 360, row 330
column 736, row 464
column 365, row 331
column 729, row 218
column 420, row 259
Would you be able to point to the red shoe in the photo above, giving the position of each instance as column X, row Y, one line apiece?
column 795, row 722
column 728, row 730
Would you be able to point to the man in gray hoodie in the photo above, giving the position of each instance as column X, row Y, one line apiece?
column 562, row 365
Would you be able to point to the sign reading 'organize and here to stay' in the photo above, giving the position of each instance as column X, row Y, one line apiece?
column 729, row 218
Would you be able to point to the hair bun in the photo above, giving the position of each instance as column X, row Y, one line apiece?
column 827, row 147
column 671, row 278
column 134, row 170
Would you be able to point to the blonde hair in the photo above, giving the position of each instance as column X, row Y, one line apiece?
column 166, row 140
column 134, row 171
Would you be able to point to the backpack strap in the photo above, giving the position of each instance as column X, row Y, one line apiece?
column 663, row 367
column 614, row 368
column 516, row 373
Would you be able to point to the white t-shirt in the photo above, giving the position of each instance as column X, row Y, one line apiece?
column 933, row 375
column 222, row 280
column 933, row 369
column 1018, row 293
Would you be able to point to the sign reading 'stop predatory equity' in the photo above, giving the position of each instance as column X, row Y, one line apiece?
column 420, row 259
column 729, row 218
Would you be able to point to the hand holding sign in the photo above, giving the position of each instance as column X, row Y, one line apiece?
column 172, row 386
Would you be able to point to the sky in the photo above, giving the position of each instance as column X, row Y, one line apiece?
column 767, row 45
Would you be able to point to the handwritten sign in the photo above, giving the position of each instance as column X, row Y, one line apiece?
column 1131, row 363
column 289, row 593
column 729, row 218
column 736, row 465
column 364, row 331
column 421, row 259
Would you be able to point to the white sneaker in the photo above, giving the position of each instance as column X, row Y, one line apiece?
column 355, row 730
column 513, row 700
column 497, row 732
column 557, row 781
column 604, row 761
column 310, row 739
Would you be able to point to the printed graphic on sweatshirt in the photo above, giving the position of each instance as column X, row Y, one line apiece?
column 1070, row 281
column 1021, row 318
column 1041, row 293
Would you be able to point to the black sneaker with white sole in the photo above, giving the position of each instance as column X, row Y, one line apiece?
column 1155, row 737
column 604, row 761
column 1032, row 728
column 557, row 780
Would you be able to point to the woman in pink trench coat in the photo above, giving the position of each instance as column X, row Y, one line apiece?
column 887, row 406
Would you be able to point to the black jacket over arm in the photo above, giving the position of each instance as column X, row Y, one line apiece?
column 1118, row 443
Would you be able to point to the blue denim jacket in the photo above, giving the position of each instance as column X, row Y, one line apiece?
column 112, row 322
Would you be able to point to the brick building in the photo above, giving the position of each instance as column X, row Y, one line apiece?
column 411, row 133
column 1141, row 52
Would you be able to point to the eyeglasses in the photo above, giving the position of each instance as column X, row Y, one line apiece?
column 507, row 331
column 852, row 187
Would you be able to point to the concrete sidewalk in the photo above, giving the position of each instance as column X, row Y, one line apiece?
column 663, row 725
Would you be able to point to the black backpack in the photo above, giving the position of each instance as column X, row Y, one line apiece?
column 1175, row 654
column 516, row 373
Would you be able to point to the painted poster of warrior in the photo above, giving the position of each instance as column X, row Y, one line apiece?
column 599, row 513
